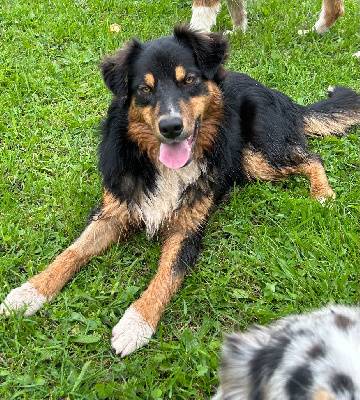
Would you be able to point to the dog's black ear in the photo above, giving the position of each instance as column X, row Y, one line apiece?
column 115, row 69
column 210, row 49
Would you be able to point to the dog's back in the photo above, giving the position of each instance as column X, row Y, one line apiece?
column 315, row 356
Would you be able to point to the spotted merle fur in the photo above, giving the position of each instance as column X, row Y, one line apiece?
column 299, row 357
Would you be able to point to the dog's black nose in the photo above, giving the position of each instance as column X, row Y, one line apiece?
column 171, row 127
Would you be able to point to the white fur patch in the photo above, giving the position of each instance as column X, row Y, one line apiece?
column 320, row 25
column 23, row 297
column 203, row 18
column 130, row 333
column 157, row 207
column 330, row 89
column 219, row 395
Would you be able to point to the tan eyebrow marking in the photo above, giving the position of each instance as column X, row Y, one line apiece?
column 149, row 80
column 180, row 73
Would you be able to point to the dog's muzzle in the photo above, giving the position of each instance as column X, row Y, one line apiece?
column 178, row 153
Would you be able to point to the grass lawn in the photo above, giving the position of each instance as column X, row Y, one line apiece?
column 268, row 251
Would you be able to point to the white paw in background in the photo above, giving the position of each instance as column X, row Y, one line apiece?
column 130, row 333
column 23, row 297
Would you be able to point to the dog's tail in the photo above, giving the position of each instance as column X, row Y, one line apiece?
column 333, row 115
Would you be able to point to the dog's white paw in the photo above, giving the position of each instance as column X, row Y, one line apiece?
column 130, row 333
column 24, row 297
column 320, row 26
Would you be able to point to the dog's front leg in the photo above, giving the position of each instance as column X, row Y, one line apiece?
column 182, row 240
column 108, row 225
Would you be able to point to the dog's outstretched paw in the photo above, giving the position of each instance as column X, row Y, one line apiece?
column 24, row 297
column 130, row 333
column 327, row 198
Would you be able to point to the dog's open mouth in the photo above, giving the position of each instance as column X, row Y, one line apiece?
column 178, row 154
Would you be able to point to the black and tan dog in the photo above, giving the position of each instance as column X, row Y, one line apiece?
column 179, row 131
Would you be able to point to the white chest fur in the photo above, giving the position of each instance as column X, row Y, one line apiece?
column 157, row 207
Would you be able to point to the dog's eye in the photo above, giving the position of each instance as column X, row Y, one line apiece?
column 189, row 79
column 145, row 89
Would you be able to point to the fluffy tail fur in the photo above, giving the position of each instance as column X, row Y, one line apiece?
column 333, row 115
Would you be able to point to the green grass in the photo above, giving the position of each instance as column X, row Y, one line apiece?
column 268, row 251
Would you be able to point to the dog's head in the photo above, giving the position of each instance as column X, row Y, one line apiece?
column 169, row 86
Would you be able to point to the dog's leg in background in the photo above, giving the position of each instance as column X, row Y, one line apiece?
column 181, row 246
column 109, row 225
column 331, row 10
column 237, row 10
column 204, row 13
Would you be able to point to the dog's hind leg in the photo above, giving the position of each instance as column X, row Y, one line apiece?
column 204, row 13
column 313, row 168
column 331, row 10
column 182, row 240
column 238, row 14
column 108, row 225
column 256, row 166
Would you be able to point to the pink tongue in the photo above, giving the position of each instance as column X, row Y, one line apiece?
column 175, row 155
